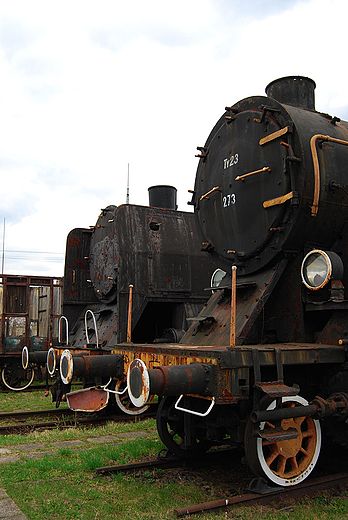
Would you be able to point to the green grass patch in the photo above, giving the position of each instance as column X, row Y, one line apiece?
column 22, row 401
column 63, row 485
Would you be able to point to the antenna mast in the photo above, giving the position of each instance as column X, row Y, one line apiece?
column 3, row 248
column 127, row 199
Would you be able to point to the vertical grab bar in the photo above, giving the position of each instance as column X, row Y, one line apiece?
column 65, row 319
column 95, row 327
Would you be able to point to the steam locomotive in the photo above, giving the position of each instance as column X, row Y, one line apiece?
column 150, row 253
column 264, row 365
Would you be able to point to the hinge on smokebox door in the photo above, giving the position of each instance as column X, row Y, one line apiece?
column 275, row 390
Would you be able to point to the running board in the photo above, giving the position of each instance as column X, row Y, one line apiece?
column 277, row 389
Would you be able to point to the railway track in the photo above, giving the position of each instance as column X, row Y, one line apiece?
column 258, row 492
column 25, row 414
column 310, row 487
column 63, row 418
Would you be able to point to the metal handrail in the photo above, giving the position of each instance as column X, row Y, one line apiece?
column 95, row 327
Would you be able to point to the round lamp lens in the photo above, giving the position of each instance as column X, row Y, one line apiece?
column 316, row 270
column 319, row 267
column 216, row 278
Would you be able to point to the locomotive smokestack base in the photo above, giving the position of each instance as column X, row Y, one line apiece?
column 297, row 91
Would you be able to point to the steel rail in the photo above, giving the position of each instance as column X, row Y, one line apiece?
column 36, row 413
column 75, row 421
column 213, row 458
column 308, row 488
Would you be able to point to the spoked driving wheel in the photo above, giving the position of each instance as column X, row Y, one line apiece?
column 171, row 428
column 285, row 462
column 125, row 404
column 17, row 378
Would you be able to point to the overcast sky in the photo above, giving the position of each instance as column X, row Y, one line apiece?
column 88, row 87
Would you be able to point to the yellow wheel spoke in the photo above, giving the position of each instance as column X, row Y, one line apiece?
column 294, row 465
column 272, row 456
column 302, row 450
column 307, row 434
column 281, row 466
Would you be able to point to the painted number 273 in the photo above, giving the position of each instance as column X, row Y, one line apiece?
column 228, row 200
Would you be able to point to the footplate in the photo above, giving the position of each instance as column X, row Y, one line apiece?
column 277, row 389
column 276, row 434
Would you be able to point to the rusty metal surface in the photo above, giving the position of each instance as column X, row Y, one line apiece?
column 158, row 252
column 88, row 400
column 178, row 354
column 252, row 295
column 98, row 366
column 195, row 378
column 276, row 389
column 232, row 381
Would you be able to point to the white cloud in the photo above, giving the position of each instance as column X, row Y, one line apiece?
column 88, row 88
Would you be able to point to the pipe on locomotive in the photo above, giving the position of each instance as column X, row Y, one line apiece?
column 196, row 378
column 108, row 365
column 37, row 358
column 335, row 405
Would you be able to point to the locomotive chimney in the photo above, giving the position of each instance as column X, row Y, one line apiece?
column 297, row 91
column 163, row 197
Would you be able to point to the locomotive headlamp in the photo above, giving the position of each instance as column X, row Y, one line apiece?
column 216, row 277
column 319, row 267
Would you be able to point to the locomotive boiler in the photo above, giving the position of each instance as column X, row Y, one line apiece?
column 264, row 364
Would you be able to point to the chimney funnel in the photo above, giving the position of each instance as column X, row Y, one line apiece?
column 297, row 91
column 163, row 197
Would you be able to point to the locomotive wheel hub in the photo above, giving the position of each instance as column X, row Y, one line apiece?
column 290, row 448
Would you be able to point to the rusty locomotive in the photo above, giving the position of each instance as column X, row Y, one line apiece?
column 264, row 365
column 143, row 259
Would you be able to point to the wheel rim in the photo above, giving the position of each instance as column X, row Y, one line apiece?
column 10, row 378
column 286, row 462
column 124, row 402
column 170, row 427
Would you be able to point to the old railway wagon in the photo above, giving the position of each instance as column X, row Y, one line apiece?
column 30, row 308
column 264, row 364
column 137, row 274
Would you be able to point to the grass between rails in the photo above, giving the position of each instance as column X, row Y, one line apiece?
column 63, row 484
column 21, row 401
